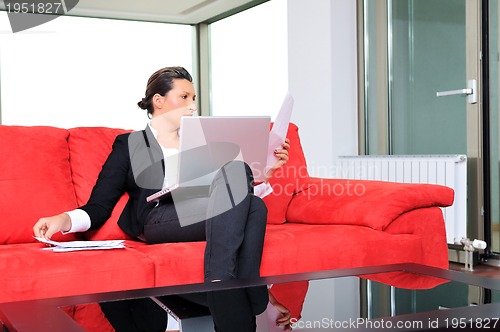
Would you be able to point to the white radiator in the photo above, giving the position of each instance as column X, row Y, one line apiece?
column 447, row 170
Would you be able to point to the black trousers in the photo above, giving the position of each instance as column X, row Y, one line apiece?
column 232, row 221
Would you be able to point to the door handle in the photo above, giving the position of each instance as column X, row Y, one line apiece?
column 470, row 92
column 454, row 92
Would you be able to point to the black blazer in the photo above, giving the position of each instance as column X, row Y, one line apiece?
column 135, row 166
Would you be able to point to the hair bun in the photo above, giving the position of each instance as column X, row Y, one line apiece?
column 142, row 104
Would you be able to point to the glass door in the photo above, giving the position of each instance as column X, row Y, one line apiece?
column 422, row 83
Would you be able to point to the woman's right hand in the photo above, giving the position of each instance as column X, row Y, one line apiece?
column 285, row 316
column 46, row 227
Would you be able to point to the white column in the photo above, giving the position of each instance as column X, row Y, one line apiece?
column 322, row 59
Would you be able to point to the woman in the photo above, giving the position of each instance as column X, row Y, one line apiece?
column 234, row 237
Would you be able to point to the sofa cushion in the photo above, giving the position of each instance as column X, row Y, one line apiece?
column 185, row 258
column 288, row 180
column 358, row 202
column 312, row 250
column 70, row 273
column 329, row 247
column 35, row 180
column 95, row 142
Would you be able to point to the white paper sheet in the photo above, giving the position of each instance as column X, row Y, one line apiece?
column 63, row 249
column 280, row 129
column 81, row 245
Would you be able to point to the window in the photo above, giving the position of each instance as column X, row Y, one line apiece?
column 76, row 71
column 249, row 62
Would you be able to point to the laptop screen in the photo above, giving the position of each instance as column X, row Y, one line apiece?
column 207, row 143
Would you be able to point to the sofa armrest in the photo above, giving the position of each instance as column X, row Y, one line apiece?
column 428, row 224
column 367, row 203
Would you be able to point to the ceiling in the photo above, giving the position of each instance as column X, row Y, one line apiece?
column 168, row 11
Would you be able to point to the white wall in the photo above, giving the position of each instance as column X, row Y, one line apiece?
column 323, row 79
column 322, row 69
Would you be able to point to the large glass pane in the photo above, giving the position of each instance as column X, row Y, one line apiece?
column 249, row 67
column 375, row 65
column 428, row 55
column 85, row 72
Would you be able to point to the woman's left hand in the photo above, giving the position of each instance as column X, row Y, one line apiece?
column 282, row 155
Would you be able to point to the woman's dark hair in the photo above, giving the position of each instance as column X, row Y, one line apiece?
column 161, row 82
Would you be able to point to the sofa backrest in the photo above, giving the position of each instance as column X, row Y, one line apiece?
column 289, row 180
column 35, row 180
column 45, row 171
column 89, row 148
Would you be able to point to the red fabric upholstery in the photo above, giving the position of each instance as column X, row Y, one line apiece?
column 25, row 277
column 35, row 180
column 352, row 246
column 348, row 246
column 288, row 180
column 90, row 317
column 420, row 222
column 288, row 294
column 96, row 142
column 351, row 243
column 185, row 257
column 345, row 202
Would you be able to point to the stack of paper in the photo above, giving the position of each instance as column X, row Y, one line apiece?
column 81, row 245
column 277, row 135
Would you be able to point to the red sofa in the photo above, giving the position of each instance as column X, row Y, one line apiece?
column 313, row 224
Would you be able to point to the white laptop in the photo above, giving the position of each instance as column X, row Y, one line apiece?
column 207, row 143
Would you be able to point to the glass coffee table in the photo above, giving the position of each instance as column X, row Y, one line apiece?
column 337, row 300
